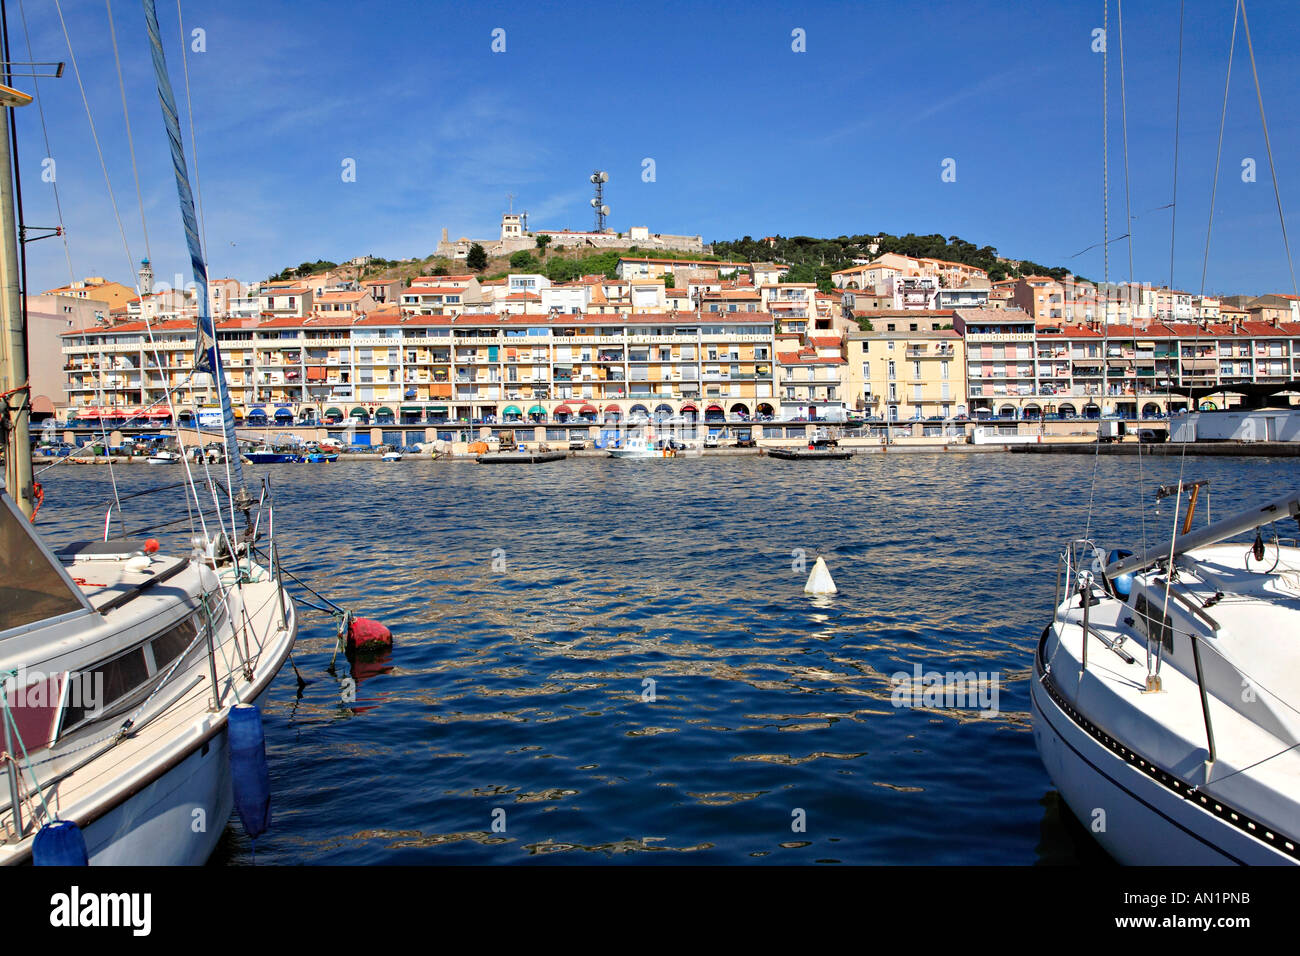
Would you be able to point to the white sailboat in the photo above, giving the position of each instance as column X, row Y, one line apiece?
column 1166, row 690
column 130, row 676
column 1166, row 695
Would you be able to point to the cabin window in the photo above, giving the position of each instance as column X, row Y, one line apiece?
column 169, row 646
column 106, row 684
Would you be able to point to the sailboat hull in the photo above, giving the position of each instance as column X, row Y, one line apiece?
column 174, row 821
column 1137, row 819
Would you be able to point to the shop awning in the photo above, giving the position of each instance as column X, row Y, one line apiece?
column 612, row 408
column 384, row 410
column 438, row 409
column 688, row 407
column 564, row 410
column 358, row 413
column 256, row 411
column 714, row 408
column 86, row 413
column 411, row 409
column 587, row 409
column 537, row 410
column 511, row 410
column 237, row 412
column 158, row 413
column 283, row 413
column 333, row 413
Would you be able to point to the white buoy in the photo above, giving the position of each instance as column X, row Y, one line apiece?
column 819, row 582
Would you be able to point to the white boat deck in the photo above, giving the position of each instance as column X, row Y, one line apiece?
column 1252, row 706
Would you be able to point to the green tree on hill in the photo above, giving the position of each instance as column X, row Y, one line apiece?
column 829, row 255
column 524, row 261
column 542, row 242
column 477, row 258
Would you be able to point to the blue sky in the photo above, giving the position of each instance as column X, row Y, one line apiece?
column 748, row 137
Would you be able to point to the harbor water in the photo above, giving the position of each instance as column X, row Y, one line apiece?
column 615, row 661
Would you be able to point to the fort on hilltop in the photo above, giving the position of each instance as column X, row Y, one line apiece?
column 516, row 236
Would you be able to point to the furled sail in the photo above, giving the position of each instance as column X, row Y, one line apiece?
column 207, row 355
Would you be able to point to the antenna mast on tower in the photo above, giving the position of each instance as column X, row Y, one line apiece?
column 598, row 204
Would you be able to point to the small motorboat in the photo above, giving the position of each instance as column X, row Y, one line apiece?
column 265, row 455
column 165, row 457
column 643, row 448
column 319, row 457
column 391, row 456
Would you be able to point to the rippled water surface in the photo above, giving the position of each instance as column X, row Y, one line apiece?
column 535, row 610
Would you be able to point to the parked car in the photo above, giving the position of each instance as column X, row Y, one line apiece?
column 577, row 444
column 711, row 441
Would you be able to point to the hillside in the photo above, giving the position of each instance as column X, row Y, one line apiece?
column 558, row 265
column 810, row 259
column 813, row 260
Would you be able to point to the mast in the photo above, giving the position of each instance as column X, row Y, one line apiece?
column 207, row 354
column 13, row 354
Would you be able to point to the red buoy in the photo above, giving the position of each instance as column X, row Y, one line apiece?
column 367, row 635
column 151, row 546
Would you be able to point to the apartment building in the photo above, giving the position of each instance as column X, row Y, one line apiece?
column 1000, row 369
column 436, row 368
column 790, row 304
column 1015, row 369
column 97, row 288
column 811, row 379
column 642, row 268
column 905, row 375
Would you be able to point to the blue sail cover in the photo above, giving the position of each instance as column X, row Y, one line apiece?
column 207, row 356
